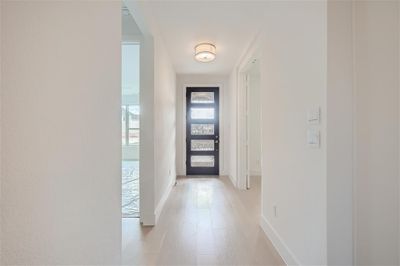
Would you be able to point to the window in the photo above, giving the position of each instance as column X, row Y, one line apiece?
column 130, row 124
column 130, row 102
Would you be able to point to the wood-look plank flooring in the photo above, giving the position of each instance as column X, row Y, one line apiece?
column 205, row 221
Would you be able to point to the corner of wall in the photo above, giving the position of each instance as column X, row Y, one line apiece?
column 164, row 126
column 398, row 81
column 398, row 243
column 163, row 200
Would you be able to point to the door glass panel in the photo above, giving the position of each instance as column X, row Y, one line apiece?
column 202, row 97
column 202, row 129
column 202, row 144
column 202, row 113
column 202, row 161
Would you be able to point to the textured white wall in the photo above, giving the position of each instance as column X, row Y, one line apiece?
column 377, row 132
column 224, row 127
column 61, row 89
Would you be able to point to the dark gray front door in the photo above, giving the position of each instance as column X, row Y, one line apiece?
column 202, row 131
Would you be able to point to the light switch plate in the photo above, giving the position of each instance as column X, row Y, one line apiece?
column 314, row 116
column 313, row 138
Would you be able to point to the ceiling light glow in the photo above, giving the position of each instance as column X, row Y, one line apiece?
column 205, row 52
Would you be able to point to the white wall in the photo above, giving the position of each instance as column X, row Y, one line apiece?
column 293, row 80
column 1, row 122
column 146, row 147
column 61, row 80
column 347, row 63
column 340, row 133
column 225, row 125
column 157, row 128
column 164, row 124
column 363, row 103
column 254, row 124
column 377, row 132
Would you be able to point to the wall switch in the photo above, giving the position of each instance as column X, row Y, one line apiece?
column 314, row 116
column 313, row 138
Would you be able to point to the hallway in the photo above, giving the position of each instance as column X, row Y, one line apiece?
column 206, row 221
column 104, row 105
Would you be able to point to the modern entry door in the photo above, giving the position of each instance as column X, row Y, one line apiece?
column 202, row 131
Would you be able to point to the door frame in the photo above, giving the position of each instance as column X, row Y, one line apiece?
column 243, row 138
column 215, row 170
column 221, row 124
column 243, row 181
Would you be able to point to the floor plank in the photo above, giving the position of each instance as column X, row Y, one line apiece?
column 206, row 221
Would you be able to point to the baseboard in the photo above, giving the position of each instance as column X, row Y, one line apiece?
column 255, row 173
column 287, row 255
column 163, row 200
column 233, row 181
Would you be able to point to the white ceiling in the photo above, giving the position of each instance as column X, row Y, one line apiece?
column 230, row 25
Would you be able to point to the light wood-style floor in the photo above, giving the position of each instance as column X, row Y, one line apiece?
column 205, row 221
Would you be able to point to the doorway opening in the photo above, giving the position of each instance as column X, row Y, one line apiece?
column 249, row 126
column 253, row 125
column 130, row 117
column 202, row 131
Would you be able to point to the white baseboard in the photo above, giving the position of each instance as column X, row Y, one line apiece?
column 255, row 173
column 287, row 255
column 233, row 180
column 162, row 201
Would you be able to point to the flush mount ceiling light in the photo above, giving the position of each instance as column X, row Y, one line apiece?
column 204, row 52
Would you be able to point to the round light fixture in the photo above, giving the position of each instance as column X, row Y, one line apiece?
column 204, row 52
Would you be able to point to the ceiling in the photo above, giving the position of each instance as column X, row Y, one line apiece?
column 230, row 25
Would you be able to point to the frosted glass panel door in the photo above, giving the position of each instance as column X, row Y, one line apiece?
column 202, row 131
